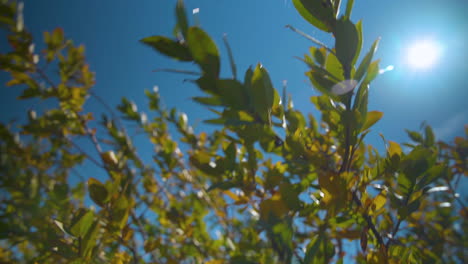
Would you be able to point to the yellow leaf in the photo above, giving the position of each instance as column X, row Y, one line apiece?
column 378, row 202
column 394, row 148
column 231, row 195
column 215, row 261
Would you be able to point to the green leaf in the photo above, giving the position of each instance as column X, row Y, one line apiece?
column 182, row 21
column 372, row 118
column 415, row 136
column 204, row 51
column 434, row 173
column 334, row 67
column 362, row 69
column 226, row 185
column 213, row 100
column 317, row 13
column 168, row 47
column 372, row 71
column 317, row 248
column 81, row 223
column 120, row 210
column 231, row 58
column 90, row 239
column 319, row 54
column 98, row 192
column 349, row 8
column 262, row 92
column 359, row 44
column 361, row 101
column 346, row 43
column 321, row 83
column 430, row 138
column 207, row 84
column 232, row 94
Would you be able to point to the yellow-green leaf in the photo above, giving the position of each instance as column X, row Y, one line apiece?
column 372, row 118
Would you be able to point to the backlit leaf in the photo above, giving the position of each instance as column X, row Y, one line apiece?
column 372, row 118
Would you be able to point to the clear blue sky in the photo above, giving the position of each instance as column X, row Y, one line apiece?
column 110, row 30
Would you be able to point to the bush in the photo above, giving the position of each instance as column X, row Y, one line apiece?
column 269, row 185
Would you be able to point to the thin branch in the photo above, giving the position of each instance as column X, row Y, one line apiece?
column 316, row 41
column 370, row 224
column 177, row 71
column 231, row 57
column 86, row 154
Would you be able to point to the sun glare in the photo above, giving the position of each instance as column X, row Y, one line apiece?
column 423, row 54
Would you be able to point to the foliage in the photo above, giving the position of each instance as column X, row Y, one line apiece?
column 269, row 185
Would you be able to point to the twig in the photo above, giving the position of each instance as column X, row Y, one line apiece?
column 178, row 71
column 316, row 41
column 370, row 224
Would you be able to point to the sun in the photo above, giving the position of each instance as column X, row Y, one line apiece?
column 423, row 54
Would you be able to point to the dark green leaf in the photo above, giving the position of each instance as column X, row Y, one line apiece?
column 226, row 185
column 231, row 58
column 346, row 43
column 415, row 136
column 213, row 100
column 182, row 22
column 317, row 12
column 168, row 47
column 232, row 94
column 430, row 138
column 262, row 92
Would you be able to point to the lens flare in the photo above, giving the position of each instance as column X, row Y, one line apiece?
column 423, row 54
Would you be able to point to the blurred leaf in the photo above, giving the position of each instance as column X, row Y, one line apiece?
column 109, row 158
column 316, row 13
column 81, row 223
column 262, row 92
column 231, row 58
column 363, row 67
column 312, row 249
column 372, row 71
column 346, row 42
column 415, row 136
column 349, row 8
column 372, row 118
column 430, row 138
column 226, row 185
column 364, row 239
column 168, row 47
column 214, row 101
column 394, row 149
column 182, row 21
column 204, row 51
column 232, row 94
column 319, row 54
column 334, row 67
column 98, row 192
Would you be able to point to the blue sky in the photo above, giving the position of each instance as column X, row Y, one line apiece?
column 110, row 30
